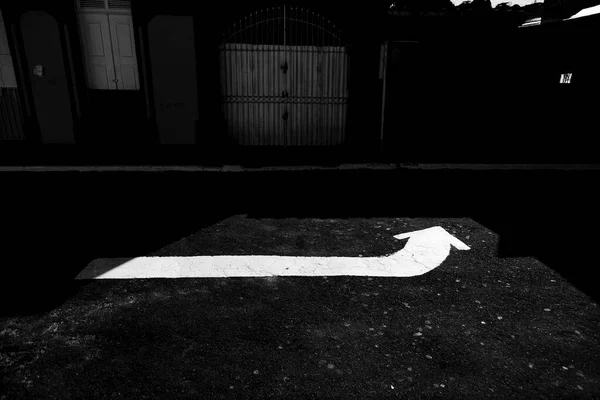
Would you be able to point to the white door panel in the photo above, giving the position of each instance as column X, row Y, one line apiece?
column 98, row 51
column 123, row 45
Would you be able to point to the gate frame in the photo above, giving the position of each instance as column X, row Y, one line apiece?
column 228, row 31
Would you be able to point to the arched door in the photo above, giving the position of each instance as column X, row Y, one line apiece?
column 48, row 76
column 284, row 79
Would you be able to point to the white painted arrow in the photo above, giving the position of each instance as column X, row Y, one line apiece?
column 426, row 249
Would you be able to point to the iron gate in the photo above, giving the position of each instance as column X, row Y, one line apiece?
column 284, row 73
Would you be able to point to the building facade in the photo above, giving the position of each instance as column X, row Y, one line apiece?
column 229, row 78
column 273, row 82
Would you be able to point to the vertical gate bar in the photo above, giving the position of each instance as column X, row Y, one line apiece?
column 346, row 90
column 261, row 75
column 277, row 55
column 306, row 64
column 293, row 46
column 267, row 68
column 229, row 77
column 234, row 105
column 290, row 77
column 295, row 132
column 338, row 107
column 316, row 57
column 222, row 65
column 340, row 100
column 280, row 78
column 244, row 73
column 291, row 40
column 240, row 73
column 231, row 113
column 339, row 104
column 226, row 72
column 300, row 80
column 255, row 80
column 306, row 79
column 287, row 37
column 225, row 68
column 243, row 84
column 274, row 84
column 233, row 90
column 299, row 84
column 325, row 86
column 318, row 71
column 251, row 70
column 335, row 81
column 248, row 73
column 330, row 95
column 325, row 93
column 302, row 59
column 345, row 94
column 340, row 95
column 320, row 91
column 286, row 122
column 303, row 62
column 327, row 82
column 277, row 32
column 270, row 71
column 240, row 68
column 311, row 76
column 230, row 89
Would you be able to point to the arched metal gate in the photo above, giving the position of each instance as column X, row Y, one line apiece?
column 284, row 74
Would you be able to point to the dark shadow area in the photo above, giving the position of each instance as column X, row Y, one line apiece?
column 56, row 223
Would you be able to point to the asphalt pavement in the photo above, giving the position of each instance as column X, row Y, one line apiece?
column 510, row 318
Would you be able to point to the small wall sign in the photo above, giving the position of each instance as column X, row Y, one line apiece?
column 565, row 78
column 38, row 70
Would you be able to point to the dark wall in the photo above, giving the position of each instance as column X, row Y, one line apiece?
column 173, row 63
column 480, row 94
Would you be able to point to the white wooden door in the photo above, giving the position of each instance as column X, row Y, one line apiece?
column 123, row 50
column 98, row 51
column 7, row 72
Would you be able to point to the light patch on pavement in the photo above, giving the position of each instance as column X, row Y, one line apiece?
column 425, row 250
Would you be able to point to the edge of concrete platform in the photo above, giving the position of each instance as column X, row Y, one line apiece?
column 239, row 168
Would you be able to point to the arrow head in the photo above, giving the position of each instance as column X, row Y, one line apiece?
column 434, row 234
